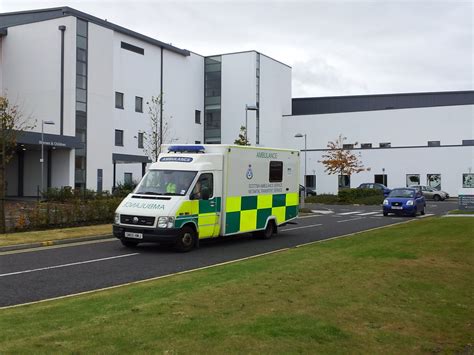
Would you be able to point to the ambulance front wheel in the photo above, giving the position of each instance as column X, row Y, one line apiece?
column 186, row 239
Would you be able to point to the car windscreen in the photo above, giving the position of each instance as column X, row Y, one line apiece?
column 166, row 182
column 404, row 193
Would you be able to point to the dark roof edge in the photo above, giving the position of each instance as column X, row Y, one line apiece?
column 385, row 95
column 82, row 15
column 250, row 51
column 3, row 31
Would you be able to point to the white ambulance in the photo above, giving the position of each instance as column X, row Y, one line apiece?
column 204, row 191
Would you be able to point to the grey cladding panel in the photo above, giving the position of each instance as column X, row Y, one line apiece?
column 337, row 104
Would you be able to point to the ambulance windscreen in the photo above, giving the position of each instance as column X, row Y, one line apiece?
column 166, row 182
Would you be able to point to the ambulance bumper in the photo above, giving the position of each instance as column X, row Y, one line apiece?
column 147, row 235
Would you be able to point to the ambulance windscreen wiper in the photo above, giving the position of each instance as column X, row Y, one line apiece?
column 148, row 193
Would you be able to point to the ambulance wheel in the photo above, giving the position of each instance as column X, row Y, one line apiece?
column 269, row 230
column 186, row 239
column 129, row 243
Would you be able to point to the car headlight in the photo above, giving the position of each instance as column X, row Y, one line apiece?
column 165, row 222
column 410, row 203
column 117, row 218
column 385, row 202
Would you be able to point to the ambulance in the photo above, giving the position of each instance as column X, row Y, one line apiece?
column 194, row 192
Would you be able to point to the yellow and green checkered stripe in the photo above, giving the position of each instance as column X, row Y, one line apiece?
column 202, row 213
column 249, row 213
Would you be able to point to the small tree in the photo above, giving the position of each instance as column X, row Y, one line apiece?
column 341, row 161
column 11, row 124
column 158, row 130
column 242, row 140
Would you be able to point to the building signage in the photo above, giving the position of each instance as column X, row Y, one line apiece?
column 53, row 144
column 466, row 202
column 177, row 159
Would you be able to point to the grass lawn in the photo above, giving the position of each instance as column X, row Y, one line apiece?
column 404, row 289
column 54, row 234
column 460, row 212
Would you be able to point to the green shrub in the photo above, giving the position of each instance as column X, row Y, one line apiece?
column 323, row 198
column 354, row 195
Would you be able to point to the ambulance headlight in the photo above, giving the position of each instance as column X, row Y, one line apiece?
column 117, row 218
column 165, row 222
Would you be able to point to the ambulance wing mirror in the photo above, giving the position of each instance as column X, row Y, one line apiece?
column 205, row 193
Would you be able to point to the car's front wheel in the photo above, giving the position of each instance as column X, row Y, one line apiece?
column 436, row 197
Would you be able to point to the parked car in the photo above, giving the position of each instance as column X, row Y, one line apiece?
column 431, row 193
column 309, row 191
column 381, row 187
column 405, row 200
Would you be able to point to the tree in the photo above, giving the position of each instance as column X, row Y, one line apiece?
column 341, row 161
column 242, row 140
column 159, row 128
column 12, row 123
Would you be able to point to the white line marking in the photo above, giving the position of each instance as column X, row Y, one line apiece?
column 322, row 211
column 310, row 216
column 367, row 213
column 348, row 220
column 292, row 229
column 427, row 215
column 348, row 213
column 66, row 265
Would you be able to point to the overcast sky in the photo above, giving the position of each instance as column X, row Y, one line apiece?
column 334, row 47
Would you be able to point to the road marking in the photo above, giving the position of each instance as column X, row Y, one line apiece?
column 322, row 211
column 66, row 265
column 348, row 213
column 311, row 216
column 309, row 226
column 427, row 215
column 348, row 220
column 367, row 213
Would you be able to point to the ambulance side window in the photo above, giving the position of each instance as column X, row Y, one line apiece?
column 204, row 188
column 276, row 171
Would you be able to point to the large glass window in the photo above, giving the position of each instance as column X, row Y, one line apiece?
column 212, row 100
column 118, row 100
column 344, row 181
column 166, row 182
column 138, row 104
column 412, row 179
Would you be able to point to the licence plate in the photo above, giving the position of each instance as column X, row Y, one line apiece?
column 397, row 207
column 134, row 235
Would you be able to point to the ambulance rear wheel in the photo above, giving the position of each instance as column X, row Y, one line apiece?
column 186, row 239
column 269, row 230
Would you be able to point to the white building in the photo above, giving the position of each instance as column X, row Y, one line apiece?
column 93, row 79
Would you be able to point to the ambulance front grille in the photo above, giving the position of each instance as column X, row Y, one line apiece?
column 137, row 220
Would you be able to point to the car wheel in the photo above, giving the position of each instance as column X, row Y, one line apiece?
column 186, row 239
column 436, row 197
column 414, row 213
column 385, row 214
column 129, row 243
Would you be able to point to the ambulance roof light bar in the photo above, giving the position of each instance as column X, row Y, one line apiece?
column 186, row 149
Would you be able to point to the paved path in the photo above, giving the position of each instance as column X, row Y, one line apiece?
column 28, row 276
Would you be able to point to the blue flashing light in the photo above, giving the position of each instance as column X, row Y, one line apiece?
column 186, row 148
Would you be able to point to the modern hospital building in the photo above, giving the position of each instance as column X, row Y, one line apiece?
column 94, row 79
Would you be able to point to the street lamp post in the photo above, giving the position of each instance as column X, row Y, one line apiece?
column 43, row 122
column 248, row 108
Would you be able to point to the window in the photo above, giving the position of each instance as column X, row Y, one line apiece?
column 468, row 142
column 127, row 178
column 140, row 140
column 434, row 181
column 348, row 146
column 138, row 104
column 132, row 48
column 119, row 138
column 366, row 145
column 276, row 171
column 204, row 183
column 380, row 179
column 344, row 181
column 434, row 143
column 310, row 181
column 118, row 100
column 197, row 142
column 468, row 181
column 385, row 145
column 197, row 116
column 413, row 179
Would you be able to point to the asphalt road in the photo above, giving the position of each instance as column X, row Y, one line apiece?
column 44, row 273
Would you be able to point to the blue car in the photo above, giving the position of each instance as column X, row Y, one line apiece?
column 408, row 201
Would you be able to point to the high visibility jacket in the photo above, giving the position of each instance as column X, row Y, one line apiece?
column 171, row 188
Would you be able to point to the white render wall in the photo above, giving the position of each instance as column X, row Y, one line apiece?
column 408, row 131
column 31, row 74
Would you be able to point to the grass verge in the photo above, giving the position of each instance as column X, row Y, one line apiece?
column 460, row 212
column 404, row 289
column 54, row 234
